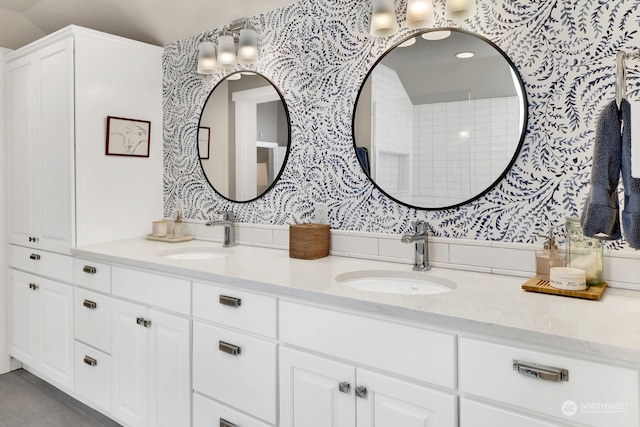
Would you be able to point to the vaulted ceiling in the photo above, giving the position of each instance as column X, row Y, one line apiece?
column 153, row 21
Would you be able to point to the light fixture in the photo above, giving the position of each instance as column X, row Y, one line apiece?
column 420, row 14
column 436, row 35
column 459, row 10
column 236, row 76
column 248, row 46
column 226, row 50
column 239, row 34
column 465, row 55
column 383, row 19
column 206, row 57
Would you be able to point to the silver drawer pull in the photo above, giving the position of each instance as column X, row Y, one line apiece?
column 89, row 270
column 541, row 372
column 33, row 286
column 34, row 257
column 361, row 391
column 230, row 301
column 344, row 387
column 229, row 348
column 225, row 423
column 90, row 361
column 90, row 304
column 143, row 322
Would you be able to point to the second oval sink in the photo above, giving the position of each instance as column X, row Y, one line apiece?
column 395, row 282
column 194, row 252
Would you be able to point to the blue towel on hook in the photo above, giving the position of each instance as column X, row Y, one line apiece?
column 601, row 210
column 631, row 212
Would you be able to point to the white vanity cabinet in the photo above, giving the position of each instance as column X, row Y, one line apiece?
column 320, row 391
column 150, row 351
column 41, row 326
column 563, row 388
column 234, row 357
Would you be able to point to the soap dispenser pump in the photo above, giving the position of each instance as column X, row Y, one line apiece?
column 548, row 258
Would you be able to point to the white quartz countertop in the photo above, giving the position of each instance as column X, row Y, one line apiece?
column 482, row 303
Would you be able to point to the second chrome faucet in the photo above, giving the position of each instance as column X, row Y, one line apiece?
column 421, row 239
column 226, row 220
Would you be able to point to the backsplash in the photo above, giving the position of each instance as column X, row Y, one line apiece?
column 318, row 52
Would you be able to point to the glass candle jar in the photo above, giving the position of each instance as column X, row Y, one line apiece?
column 585, row 253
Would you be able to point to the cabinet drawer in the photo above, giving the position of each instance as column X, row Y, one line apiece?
column 235, row 308
column 208, row 413
column 406, row 350
column 91, row 319
column 92, row 275
column 93, row 375
column 42, row 263
column 152, row 289
column 603, row 395
column 476, row 414
column 246, row 381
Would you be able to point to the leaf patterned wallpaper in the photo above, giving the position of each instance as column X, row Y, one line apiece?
column 317, row 52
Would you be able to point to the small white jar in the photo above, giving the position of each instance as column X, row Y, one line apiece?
column 567, row 278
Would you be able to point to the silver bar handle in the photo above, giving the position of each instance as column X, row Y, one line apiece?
column 230, row 301
column 344, row 387
column 89, row 270
column 225, row 423
column 90, row 361
column 90, row 304
column 233, row 350
column 34, row 257
column 541, row 372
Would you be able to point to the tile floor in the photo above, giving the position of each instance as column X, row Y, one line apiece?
column 27, row 401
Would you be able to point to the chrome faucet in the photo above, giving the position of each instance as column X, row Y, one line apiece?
column 421, row 239
column 229, row 227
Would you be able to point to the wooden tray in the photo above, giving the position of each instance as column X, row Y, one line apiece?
column 169, row 238
column 593, row 292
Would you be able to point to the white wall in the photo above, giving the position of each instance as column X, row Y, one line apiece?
column 116, row 197
column 4, row 355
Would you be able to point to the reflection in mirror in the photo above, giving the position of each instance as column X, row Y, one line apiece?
column 248, row 127
column 440, row 121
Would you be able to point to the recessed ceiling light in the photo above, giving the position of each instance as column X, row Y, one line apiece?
column 409, row 42
column 436, row 35
column 465, row 55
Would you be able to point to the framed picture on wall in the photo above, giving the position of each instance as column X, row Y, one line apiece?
column 128, row 137
column 203, row 142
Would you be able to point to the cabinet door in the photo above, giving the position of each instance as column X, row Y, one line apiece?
column 169, row 370
column 53, row 146
column 56, row 331
column 477, row 414
column 129, row 364
column 390, row 402
column 22, row 322
column 310, row 391
column 21, row 191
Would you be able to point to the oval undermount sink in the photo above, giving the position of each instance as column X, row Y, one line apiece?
column 194, row 252
column 396, row 282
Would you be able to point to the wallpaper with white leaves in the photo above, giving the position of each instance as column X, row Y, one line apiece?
column 318, row 52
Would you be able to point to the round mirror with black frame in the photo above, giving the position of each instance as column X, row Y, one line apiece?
column 243, row 136
column 439, row 119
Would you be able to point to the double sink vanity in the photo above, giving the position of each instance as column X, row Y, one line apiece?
column 196, row 334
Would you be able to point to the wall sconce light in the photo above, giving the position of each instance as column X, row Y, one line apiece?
column 237, row 33
column 419, row 14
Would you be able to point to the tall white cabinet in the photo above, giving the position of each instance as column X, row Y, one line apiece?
column 63, row 190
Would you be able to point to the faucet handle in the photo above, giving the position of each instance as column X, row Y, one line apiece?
column 419, row 225
column 226, row 215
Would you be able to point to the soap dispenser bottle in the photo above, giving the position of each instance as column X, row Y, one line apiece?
column 548, row 258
